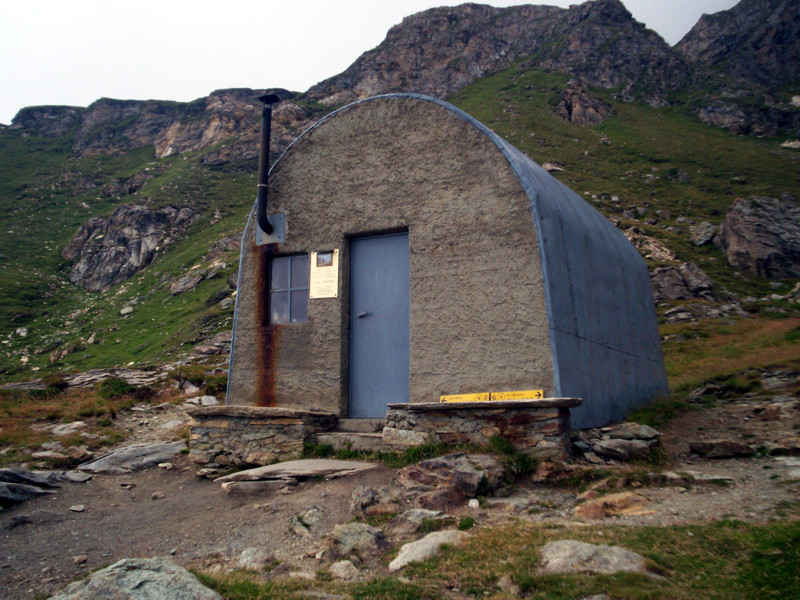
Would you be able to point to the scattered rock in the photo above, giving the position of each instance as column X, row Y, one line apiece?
column 453, row 479
column 45, row 479
column 703, row 233
column 187, row 283
column 255, row 559
column 569, row 556
column 361, row 498
column 625, row 503
column 77, row 508
column 622, row 450
column 133, row 458
column 411, row 520
column 721, row 448
column 126, row 310
column 762, row 236
column 251, row 487
column 190, row 389
column 67, row 428
column 50, row 455
column 299, row 470
column 139, row 579
column 80, row 559
column 16, row 493
column 343, row 570
column 157, row 495
column 580, row 107
column 425, row 548
column 208, row 401
column 298, row 527
column 357, row 538
column 684, row 282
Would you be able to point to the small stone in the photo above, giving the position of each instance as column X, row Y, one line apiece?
column 77, row 508
column 126, row 310
column 721, row 448
column 80, row 559
column 190, row 389
column 157, row 495
column 626, row 503
column 208, row 401
column 343, row 570
column 473, row 503
column 255, row 559
column 165, row 465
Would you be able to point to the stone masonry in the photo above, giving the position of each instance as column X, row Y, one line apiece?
column 248, row 435
column 537, row 427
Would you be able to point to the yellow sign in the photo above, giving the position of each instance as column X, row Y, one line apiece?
column 466, row 398
column 521, row 395
column 323, row 280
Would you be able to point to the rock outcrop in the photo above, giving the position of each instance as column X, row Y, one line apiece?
column 756, row 40
column 762, row 236
column 684, row 282
column 109, row 250
column 582, row 108
column 442, row 50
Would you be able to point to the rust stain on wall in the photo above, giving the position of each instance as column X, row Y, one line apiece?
column 267, row 336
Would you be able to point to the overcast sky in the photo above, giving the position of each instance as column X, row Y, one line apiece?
column 76, row 51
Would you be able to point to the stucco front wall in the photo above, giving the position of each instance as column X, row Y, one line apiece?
column 478, row 320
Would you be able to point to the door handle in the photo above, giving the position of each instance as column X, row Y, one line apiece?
column 361, row 315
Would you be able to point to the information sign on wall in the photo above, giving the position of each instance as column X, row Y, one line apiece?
column 324, row 274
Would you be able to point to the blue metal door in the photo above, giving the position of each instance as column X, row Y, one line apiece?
column 379, row 324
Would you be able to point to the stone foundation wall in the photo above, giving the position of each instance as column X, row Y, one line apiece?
column 537, row 427
column 247, row 436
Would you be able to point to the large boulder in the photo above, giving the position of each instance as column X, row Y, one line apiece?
column 139, row 579
column 425, row 548
column 683, row 282
column 762, row 236
column 569, row 556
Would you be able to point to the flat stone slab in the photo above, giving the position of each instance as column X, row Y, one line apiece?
column 543, row 403
column 301, row 469
column 133, row 458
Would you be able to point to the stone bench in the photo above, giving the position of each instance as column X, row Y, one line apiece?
column 537, row 427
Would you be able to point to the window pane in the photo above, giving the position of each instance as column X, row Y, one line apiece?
column 279, row 307
column 300, row 271
column 279, row 273
column 300, row 306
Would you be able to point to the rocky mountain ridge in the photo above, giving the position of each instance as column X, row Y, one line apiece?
column 757, row 40
column 441, row 50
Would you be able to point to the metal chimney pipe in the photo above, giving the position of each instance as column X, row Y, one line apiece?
column 263, row 162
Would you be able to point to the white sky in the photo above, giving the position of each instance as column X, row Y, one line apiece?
column 76, row 51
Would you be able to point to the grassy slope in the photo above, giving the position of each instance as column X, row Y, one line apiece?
column 40, row 212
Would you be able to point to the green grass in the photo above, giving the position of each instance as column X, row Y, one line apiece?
column 722, row 560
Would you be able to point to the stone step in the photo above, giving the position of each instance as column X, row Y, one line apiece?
column 361, row 425
column 362, row 442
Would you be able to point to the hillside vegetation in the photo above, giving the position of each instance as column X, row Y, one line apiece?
column 624, row 165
